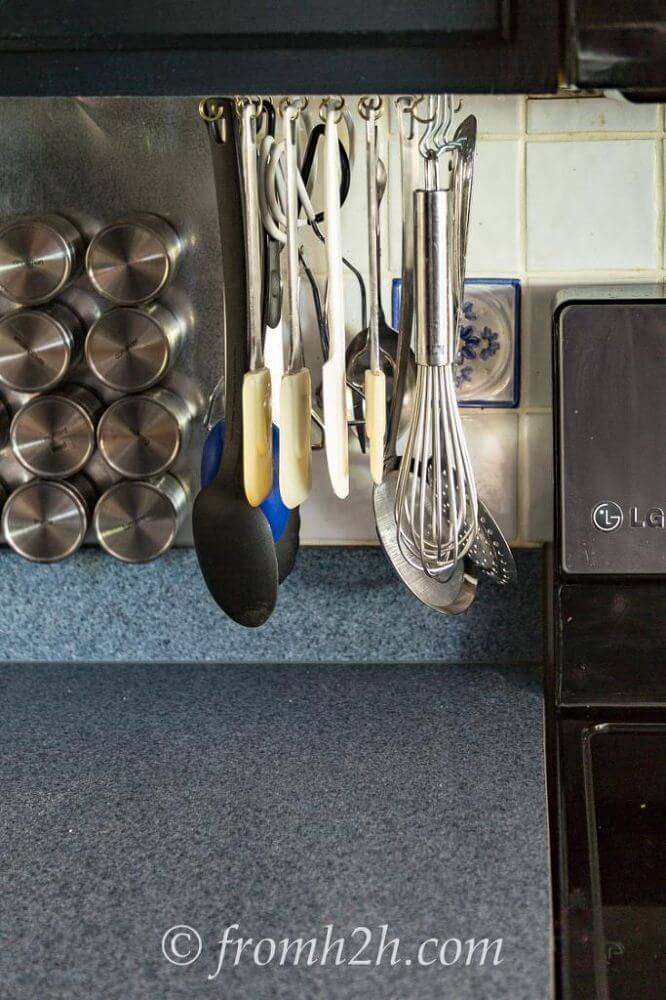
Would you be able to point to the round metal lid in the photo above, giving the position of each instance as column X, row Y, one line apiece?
column 135, row 522
column 139, row 437
column 44, row 521
column 35, row 261
column 35, row 351
column 128, row 262
column 53, row 436
column 127, row 349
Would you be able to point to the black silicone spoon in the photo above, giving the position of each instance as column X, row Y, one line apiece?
column 233, row 541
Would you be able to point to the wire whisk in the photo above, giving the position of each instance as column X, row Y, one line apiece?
column 436, row 503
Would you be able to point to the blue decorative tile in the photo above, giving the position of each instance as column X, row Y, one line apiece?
column 488, row 363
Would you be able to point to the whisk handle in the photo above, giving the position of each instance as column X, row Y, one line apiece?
column 435, row 270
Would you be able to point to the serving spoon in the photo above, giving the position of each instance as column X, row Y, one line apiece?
column 233, row 541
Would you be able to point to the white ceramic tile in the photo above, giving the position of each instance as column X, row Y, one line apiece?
column 591, row 205
column 492, row 437
column 536, row 477
column 494, row 114
column 493, row 442
column 494, row 237
column 590, row 114
column 536, row 340
column 537, row 335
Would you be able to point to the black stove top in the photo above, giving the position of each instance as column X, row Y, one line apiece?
column 607, row 685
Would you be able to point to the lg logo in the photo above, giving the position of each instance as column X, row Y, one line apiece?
column 607, row 516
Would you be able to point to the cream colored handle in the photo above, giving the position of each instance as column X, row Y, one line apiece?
column 375, row 421
column 295, row 438
column 257, row 436
column 333, row 375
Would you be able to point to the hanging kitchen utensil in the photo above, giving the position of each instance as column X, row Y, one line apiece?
column 449, row 596
column 285, row 524
column 375, row 380
column 272, row 294
column 313, row 219
column 464, row 139
column 272, row 197
column 334, row 383
column 358, row 359
column 436, row 507
column 455, row 594
column 233, row 540
column 490, row 550
column 257, row 434
column 296, row 388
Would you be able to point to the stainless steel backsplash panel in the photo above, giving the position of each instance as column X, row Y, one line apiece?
column 94, row 160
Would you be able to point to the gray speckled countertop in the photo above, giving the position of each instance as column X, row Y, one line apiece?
column 282, row 798
column 338, row 605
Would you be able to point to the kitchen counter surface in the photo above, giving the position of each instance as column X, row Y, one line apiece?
column 282, row 799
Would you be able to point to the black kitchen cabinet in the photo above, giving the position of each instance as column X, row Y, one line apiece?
column 84, row 47
column 618, row 44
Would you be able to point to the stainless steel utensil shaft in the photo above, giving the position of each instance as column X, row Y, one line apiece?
column 293, row 272
column 373, row 238
column 408, row 152
column 252, row 235
column 434, row 275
